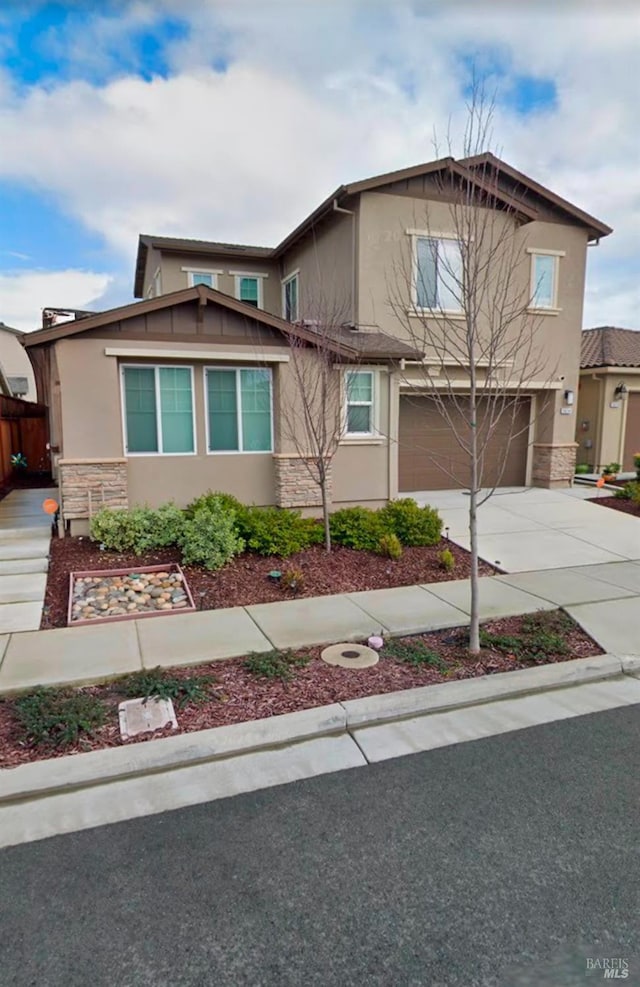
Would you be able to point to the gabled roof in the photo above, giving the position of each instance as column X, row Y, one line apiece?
column 344, row 342
column 475, row 169
column 488, row 161
column 609, row 346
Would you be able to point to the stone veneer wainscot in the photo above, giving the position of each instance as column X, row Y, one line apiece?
column 554, row 465
column 86, row 485
column 295, row 486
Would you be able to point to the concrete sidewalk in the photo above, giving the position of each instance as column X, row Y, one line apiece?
column 25, row 534
column 602, row 598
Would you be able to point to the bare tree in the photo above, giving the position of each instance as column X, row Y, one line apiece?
column 311, row 401
column 465, row 301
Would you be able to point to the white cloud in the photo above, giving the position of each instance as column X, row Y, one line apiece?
column 24, row 294
column 318, row 94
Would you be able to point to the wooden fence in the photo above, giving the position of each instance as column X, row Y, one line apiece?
column 24, row 428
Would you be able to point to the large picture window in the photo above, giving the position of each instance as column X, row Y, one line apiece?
column 239, row 409
column 438, row 274
column 158, row 410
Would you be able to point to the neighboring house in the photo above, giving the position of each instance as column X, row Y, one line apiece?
column 183, row 391
column 608, row 422
column 15, row 364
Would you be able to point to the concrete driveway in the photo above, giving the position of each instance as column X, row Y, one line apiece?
column 530, row 529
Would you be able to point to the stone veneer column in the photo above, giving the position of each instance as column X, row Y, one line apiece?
column 86, row 485
column 554, row 464
column 295, row 486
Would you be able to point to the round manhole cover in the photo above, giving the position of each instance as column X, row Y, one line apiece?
column 350, row 656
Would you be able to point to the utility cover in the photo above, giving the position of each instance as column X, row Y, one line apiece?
column 145, row 715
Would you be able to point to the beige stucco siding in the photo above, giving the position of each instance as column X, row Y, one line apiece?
column 324, row 259
column 589, row 415
column 175, row 267
column 384, row 273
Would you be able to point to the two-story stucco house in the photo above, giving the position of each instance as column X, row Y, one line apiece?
column 183, row 391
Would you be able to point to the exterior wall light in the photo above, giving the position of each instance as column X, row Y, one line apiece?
column 621, row 391
column 569, row 397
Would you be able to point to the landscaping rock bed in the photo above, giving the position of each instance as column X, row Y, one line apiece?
column 121, row 593
column 245, row 579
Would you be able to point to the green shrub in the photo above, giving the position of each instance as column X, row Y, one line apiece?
column 582, row 468
column 390, row 546
column 140, row 530
column 357, row 527
column 630, row 491
column 156, row 682
column 115, row 529
column 210, row 538
column 275, row 664
column 275, row 531
column 414, row 653
column 412, row 524
column 447, row 560
column 228, row 501
column 58, row 717
column 541, row 634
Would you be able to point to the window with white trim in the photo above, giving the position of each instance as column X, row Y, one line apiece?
column 239, row 414
column 360, row 398
column 438, row 274
column 290, row 306
column 158, row 410
column 209, row 278
column 249, row 289
column 544, row 279
column 156, row 284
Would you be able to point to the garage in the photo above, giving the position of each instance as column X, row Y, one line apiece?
column 632, row 430
column 427, row 448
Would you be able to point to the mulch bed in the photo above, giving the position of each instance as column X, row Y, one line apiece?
column 244, row 580
column 618, row 504
column 237, row 695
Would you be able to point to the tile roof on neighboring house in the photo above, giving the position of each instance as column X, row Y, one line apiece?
column 609, row 346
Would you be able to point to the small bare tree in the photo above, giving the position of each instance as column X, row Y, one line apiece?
column 470, row 314
column 311, row 400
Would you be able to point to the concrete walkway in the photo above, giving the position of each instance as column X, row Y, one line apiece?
column 529, row 529
column 25, row 532
column 604, row 599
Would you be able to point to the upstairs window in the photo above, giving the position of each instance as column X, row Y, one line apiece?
column 194, row 276
column 544, row 279
column 158, row 410
column 438, row 274
column 249, row 289
column 360, row 402
column 290, row 298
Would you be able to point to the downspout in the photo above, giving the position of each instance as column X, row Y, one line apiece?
column 350, row 212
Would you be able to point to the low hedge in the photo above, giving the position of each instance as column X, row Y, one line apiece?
column 365, row 529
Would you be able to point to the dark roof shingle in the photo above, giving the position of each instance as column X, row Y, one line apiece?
column 609, row 346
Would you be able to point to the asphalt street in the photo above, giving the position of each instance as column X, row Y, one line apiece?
column 507, row 861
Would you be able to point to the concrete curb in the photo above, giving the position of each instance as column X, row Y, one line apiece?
column 471, row 692
column 76, row 771
column 60, row 776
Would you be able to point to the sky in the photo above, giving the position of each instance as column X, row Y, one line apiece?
column 232, row 119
